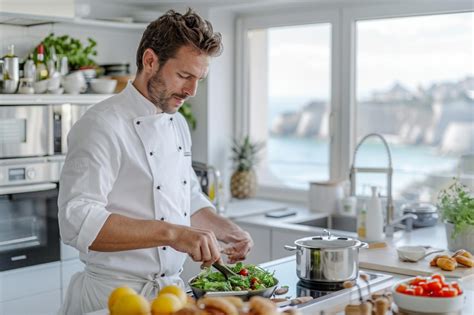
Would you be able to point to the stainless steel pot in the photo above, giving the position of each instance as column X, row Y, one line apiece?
column 427, row 213
column 327, row 258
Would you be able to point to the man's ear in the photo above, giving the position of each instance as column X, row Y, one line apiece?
column 150, row 61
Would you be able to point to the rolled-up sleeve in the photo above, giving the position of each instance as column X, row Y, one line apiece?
column 198, row 199
column 87, row 177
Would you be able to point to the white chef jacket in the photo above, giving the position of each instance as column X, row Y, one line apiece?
column 125, row 157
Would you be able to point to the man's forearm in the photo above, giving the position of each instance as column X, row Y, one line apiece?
column 123, row 233
column 222, row 227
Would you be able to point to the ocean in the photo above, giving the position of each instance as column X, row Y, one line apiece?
column 297, row 161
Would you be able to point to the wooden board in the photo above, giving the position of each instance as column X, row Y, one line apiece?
column 386, row 259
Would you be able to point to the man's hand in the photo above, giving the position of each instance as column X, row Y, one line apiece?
column 200, row 244
column 238, row 245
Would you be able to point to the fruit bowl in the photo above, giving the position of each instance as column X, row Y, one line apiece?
column 426, row 304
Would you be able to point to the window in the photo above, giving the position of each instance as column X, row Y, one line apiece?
column 289, row 85
column 415, row 86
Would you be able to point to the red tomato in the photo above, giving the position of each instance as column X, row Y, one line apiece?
column 456, row 285
column 418, row 290
column 244, row 272
column 434, row 285
column 449, row 292
column 438, row 276
column 402, row 288
column 409, row 291
column 417, row 280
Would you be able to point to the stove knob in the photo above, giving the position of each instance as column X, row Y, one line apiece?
column 31, row 173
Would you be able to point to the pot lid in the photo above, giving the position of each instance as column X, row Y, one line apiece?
column 327, row 242
column 419, row 207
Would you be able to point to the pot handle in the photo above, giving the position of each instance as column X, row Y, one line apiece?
column 290, row 248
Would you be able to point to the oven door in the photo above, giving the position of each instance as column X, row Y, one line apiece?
column 25, row 131
column 29, row 231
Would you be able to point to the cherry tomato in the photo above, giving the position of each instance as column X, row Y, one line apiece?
column 417, row 280
column 418, row 290
column 244, row 272
column 456, row 285
column 253, row 281
column 449, row 292
column 409, row 291
column 434, row 285
column 438, row 276
column 402, row 288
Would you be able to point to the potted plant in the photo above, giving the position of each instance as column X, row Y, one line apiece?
column 79, row 56
column 456, row 206
column 243, row 183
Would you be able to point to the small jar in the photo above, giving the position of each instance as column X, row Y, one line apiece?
column 26, row 86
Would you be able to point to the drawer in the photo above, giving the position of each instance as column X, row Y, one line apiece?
column 24, row 282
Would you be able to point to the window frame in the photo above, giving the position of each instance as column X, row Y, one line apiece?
column 342, row 120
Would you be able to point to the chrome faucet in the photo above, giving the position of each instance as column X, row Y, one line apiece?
column 388, row 170
column 390, row 228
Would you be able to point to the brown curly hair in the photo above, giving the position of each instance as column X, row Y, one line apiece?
column 173, row 30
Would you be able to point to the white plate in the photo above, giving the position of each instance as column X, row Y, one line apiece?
column 426, row 304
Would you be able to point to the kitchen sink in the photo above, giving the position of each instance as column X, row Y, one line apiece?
column 335, row 222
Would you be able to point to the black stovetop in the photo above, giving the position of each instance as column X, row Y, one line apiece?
column 285, row 272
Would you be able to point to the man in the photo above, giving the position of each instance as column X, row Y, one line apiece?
column 129, row 200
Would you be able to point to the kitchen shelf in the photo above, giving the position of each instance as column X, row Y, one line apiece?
column 41, row 99
column 34, row 20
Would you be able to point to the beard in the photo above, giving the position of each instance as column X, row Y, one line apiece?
column 160, row 96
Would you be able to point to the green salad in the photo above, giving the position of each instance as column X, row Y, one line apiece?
column 250, row 277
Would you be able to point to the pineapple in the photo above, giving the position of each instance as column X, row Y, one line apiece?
column 243, row 183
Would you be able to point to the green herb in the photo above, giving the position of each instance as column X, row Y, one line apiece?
column 78, row 55
column 456, row 205
column 256, row 279
column 185, row 110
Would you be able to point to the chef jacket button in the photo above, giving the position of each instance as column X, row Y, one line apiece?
column 164, row 248
column 158, row 187
column 162, row 275
column 138, row 122
column 162, row 219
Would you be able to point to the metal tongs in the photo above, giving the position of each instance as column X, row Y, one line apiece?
column 226, row 271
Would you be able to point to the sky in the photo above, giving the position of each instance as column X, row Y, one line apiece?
column 410, row 50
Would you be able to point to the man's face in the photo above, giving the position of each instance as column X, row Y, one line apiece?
column 177, row 79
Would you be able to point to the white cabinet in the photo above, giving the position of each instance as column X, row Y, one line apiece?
column 47, row 303
column 280, row 238
column 31, row 290
column 261, row 237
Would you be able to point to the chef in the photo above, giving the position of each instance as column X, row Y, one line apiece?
column 129, row 199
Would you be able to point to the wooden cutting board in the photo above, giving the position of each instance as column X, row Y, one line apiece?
column 386, row 259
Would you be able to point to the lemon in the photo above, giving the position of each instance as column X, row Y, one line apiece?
column 175, row 290
column 117, row 293
column 131, row 304
column 165, row 303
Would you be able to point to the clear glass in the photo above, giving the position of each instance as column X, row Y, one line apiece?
column 415, row 82
column 289, row 86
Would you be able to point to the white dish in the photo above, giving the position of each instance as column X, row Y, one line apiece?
column 103, row 86
column 411, row 252
column 427, row 304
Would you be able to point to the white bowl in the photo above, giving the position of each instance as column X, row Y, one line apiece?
column 40, row 86
column 427, row 304
column 103, row 86
column 411, row 252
